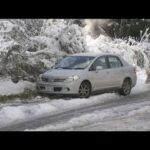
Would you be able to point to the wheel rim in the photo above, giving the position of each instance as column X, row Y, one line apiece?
column 126, row 87
column 84, row 90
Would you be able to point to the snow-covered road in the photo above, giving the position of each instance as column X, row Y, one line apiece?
column 132, row 114
column 74, row 118
column 61, row 114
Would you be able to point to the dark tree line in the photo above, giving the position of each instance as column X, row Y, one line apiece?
column 118, row 28
column 123, row 28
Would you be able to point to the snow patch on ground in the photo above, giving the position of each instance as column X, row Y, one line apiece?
column 106, row 119
column 141, row 86
column 7, row 87
column 11, row 114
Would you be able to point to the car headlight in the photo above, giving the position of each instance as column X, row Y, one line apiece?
column 72, row 78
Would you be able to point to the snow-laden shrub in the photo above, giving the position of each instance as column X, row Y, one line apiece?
column 25, row 56
column 12, row 33
column 32, row 27
column 53, row 28
column 43, row 42
column 132, row 51
column 14, row 42
column 21, row 66
column 72, row 39
column 79, row 22
column 66, row 37
column 22, row 56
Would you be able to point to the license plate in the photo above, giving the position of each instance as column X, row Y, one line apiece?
column 49, row 88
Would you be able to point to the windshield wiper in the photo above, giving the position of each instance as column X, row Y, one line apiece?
column 63, row 68
column 66, row 68
column 58, row 67
column 78, row 68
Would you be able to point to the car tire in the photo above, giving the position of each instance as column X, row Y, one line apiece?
column 85, row 90
column 126, row 88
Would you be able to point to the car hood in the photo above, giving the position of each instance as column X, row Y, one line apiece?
column 61, row 73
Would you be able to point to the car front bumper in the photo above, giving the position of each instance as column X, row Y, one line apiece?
column 58, row 88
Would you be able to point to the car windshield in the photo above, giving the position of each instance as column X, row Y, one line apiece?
column 75, row 62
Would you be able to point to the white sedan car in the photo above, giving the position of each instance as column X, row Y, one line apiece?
column 85, row 74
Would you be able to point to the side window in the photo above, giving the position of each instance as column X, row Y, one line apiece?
column 101, row 61
column 114, row 62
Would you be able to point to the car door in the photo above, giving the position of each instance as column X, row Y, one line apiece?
column 116, row 71
column 99, row 79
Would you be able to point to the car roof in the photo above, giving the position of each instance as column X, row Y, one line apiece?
column 93, row 54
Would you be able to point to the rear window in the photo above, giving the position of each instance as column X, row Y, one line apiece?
column 114, row 62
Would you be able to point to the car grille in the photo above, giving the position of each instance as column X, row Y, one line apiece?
column 59, row 80
column 57, row 89
column 46, row 79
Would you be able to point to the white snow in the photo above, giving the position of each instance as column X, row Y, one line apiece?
column 11, row 113
column 5, row 44
column 53, row 27
column 141, row 86
column 52, row 45
column 26, row 111
column 51, row 31
column 7, row 87
column 6, row 26
column 126, row 117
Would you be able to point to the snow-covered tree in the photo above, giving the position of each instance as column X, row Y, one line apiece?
column 72, row 39
column 13, row 47
column 53, row 27
column 30, row 46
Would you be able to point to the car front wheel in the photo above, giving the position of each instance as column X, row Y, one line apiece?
column 85, row 90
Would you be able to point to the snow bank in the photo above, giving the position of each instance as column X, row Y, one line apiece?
column 26, row 111
column 141, row 86
column 7, row 87
column 9, row 114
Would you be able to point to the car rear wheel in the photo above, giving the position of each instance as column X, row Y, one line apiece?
column 85, row 90
column 126, row 88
